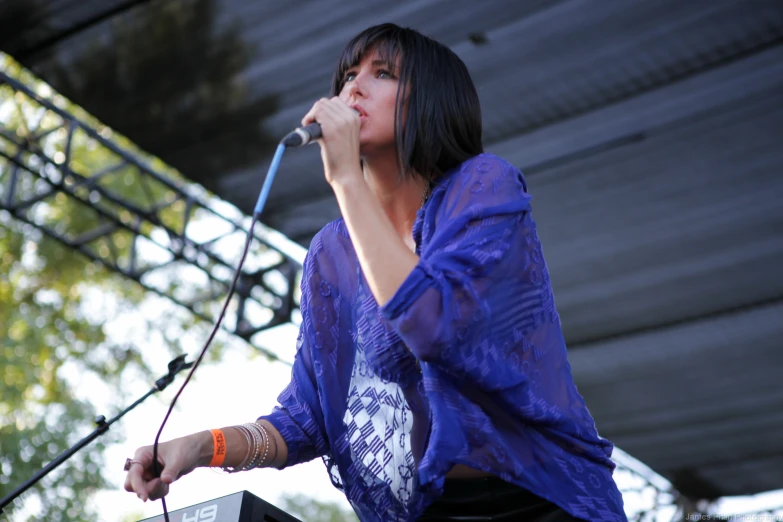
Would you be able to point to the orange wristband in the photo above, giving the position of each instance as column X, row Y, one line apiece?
column 218, row 448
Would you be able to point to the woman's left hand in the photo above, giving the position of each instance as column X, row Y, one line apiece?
column 339, row 138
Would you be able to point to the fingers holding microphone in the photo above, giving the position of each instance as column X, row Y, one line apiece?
column 339, row 140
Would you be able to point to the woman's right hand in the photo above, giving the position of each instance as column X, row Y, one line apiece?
column 176, row 458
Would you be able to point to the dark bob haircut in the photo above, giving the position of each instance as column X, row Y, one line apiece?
column 443, row 125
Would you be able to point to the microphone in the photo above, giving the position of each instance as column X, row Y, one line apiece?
column 302, row 135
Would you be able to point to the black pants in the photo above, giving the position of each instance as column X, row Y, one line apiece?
column 491, row 499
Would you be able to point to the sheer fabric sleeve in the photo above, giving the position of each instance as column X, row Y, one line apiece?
column 299, row 418
column 480, row 282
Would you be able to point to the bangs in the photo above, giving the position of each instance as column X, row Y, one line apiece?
column 442, row 127
column 386, row 44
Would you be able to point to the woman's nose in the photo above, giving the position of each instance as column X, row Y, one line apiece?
column 353, row 88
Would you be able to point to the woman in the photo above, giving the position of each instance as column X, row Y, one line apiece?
column 431, row 372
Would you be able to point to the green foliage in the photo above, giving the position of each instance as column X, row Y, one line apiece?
column 132, row 516
column 54, row 303
column 309, row 510
column 43, row 327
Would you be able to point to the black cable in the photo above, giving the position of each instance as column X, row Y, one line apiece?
column 295, row 139
column 155, row 464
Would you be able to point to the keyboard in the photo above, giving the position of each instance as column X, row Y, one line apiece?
column 237, row 507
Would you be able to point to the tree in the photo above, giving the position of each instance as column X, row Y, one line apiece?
column 53, row 305
column 309, row 510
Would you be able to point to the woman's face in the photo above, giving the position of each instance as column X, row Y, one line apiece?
column 371, row 89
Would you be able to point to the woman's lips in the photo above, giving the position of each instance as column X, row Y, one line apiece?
column 359, row 110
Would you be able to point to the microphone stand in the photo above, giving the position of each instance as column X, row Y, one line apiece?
column 175, row 366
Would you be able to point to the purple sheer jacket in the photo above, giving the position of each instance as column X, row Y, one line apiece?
column 466, row 364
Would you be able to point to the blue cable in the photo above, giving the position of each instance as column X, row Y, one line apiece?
column 270, row 177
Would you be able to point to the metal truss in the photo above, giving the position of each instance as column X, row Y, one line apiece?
column 143, row 222
column 649, row 497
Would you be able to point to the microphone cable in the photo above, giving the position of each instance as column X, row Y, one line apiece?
column 294, row 139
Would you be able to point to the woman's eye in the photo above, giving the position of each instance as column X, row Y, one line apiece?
column 384, row 74
column 349, row 76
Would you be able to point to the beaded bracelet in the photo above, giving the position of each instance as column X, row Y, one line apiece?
column 266, row 444
column 273, row 441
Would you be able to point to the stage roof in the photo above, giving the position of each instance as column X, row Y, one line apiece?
column 649, row 132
